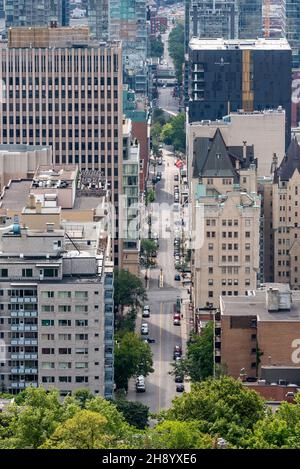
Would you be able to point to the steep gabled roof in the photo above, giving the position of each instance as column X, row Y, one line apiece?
column 290, row 162
column 213, row 159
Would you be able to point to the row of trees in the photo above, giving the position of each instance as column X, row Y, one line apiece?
column 215, row 408
column 156, row 46
column 176, row 49
column 171, row 132
column 133, row 357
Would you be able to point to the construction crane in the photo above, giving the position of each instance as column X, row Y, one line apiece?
column 267, row 19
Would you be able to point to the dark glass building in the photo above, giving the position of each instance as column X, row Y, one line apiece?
column 250, row 19
column 228, row 75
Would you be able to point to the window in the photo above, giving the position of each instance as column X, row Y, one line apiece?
column 247, row 282
column 210, row 258
column 3, row 272
column 81, row 351
column 47, row 294
column 81, row 336
column 210, row 270
column 81, row 379
column 47, row 308
column 210, row 281
column 64, row 308
column 47, row 336
column 81, row 365
column 247, row 258
column 64, row 351
column 247, row 234
column 81, row 322
column 48, row 379
column 64, row 336
column 81, row 294
column 50, row 272
column 26, row 272
column 247, row 270
column 64, row 322
column 64, row 294
column 64, row 365
column 47, row 351
column 47, row 322
column 81, row 308
column 247, row 247
column 47, row 365
column 248, row 222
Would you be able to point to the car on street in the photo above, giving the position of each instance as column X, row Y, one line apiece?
column 177, row 258
column 176, row 322
column 176, row 198
column 146, row 312
column 180, row 388
column 140, row 384
column 148, row 340
column 179, row 378
column 144, row 329
column 176, row 177
column 177, row 277
column 176, row 207
column 158, row 175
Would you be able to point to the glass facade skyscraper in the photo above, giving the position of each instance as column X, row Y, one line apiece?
column 292, row 26
column 250, row 19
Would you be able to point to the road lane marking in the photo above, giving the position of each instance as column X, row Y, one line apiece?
column 160, row 352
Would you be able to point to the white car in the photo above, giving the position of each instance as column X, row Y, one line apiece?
column 146, row 312
column 144, row 329
column 140, row 384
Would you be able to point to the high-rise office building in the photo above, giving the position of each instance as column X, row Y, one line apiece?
column 36, row 12
column 128, row 23
column 66, row 92
column 292, row 27
column 228, row 75
column 250, row 19
column 213, row 18
column 98, row 16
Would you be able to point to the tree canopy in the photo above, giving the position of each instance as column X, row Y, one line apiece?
column 129, row 289
column 173, row 132
column 176, row 49
column 133, row 357
column 156, row 47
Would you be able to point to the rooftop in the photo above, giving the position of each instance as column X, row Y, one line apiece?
column 239, row 44
column 15, row 195
column 58, row 177
column 255, row 305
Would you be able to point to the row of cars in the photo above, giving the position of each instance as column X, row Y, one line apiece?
column 140, row 385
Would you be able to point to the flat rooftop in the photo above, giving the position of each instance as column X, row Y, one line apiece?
column 242, row 114
column 255, row 305
column 54, row 176
column 239, row 44
column 15, row 195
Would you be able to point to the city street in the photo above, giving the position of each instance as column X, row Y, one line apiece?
column 165, row 99
column 160, row 385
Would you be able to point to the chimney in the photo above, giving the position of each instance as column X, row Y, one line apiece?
column 38, row 207
column 31, row 201
column 272, row 299
column 50, row 227
column 244, row 150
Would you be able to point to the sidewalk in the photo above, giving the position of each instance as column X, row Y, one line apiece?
column 186, row 328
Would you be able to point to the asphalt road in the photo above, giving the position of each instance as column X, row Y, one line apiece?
column 165, row 99
column 160, row 385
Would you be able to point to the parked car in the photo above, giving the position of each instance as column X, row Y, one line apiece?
column 176, row 322
column 158, row 176
column 144, row 329
column 146, row 312
column 179, row 378
column 176, row 177
column 140, row 384
column 180, row 388
column 177, row 277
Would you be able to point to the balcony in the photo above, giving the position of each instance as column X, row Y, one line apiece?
column 24, row 314
column 23, row 341
column 26, row 299
column 22, row 370
column 24, row 327
column 24, row 356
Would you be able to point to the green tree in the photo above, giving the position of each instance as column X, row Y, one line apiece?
column 129, row 289
column 177, row 435
column 38, row 416
column 158, row 120
column 135, row 413
column 86, row 430
column 200, row 359
column 150, row 196
column 156, row 47
column 132, row 357
column 176, row 49
column 148, row 247
column 173, row 133
column 82, row 396
column 126, row 322
column 225, row 407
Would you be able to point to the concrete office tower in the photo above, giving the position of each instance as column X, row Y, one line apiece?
column 292, row 25
column 128, row 23
column 56, row 286
column 36, row 12
column 286, row 221
column 64, row 91
column 213, row 18
column 265, row 130
column 250, row 19
column 225, row 257
column 98, row 11
column 228, row 75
